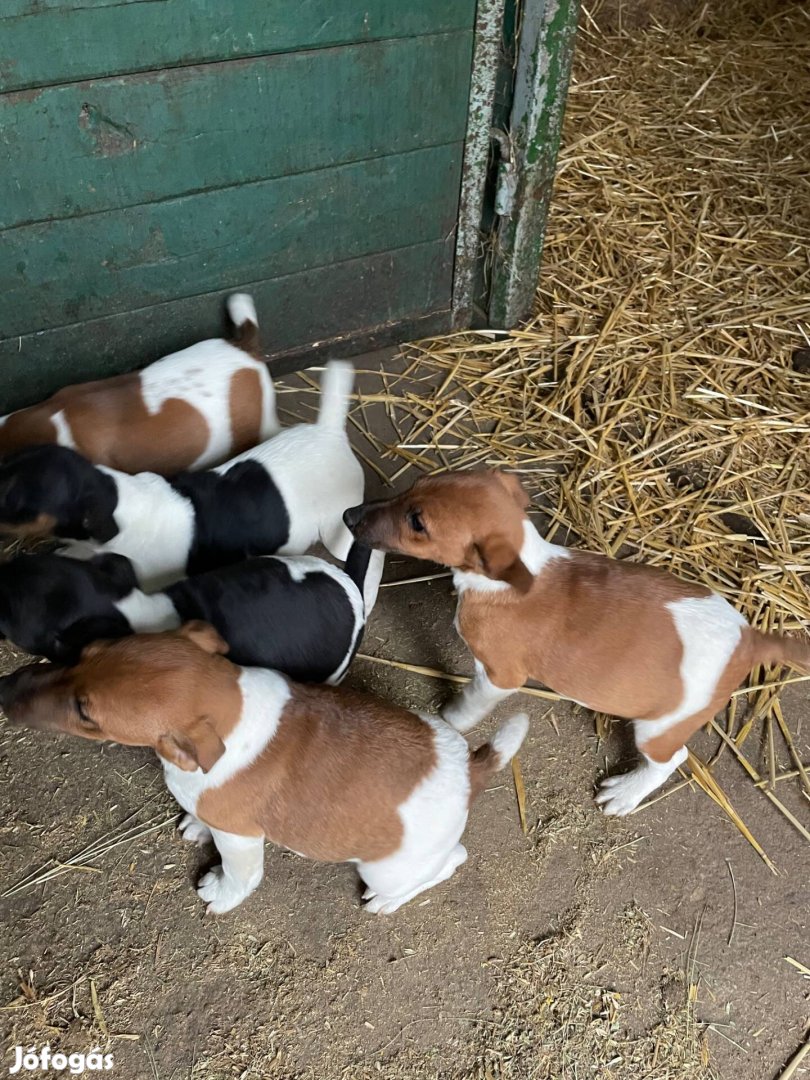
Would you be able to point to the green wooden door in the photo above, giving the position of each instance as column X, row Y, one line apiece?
column 157, row 154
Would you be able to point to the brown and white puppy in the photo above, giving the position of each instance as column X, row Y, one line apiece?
column 618, row 637
column 334, row 775
column 190, row 410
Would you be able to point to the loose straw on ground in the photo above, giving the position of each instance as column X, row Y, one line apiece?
column 656, row 406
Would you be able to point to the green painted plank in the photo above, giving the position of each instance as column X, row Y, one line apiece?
column 119, row 142
column 359, row 303
column 89, row 42
column 82, row 268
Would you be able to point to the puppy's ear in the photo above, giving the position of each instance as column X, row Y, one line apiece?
column 514, row 487
column 204, row 637
column 199, row 747
column 498, row 559
column 118, row 570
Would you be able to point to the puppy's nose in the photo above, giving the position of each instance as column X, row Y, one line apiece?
column 354, row 515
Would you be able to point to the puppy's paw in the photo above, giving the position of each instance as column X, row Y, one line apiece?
column 193, row 831
column 620, row 795
column 381, row 905
column 219, row 893
column 457, row 716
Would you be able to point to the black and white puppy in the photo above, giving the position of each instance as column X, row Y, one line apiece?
column 297, row 614
column 282, row 496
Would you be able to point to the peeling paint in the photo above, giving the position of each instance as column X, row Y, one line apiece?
column 110, row 138
column 538, row 106
column 488, row 29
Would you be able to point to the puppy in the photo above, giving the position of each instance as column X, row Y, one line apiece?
column 332, row 774
column 282, row 496
column 617, row 637
column 299, row 615
column 190, row 410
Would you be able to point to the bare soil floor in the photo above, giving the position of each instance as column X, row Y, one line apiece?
column 571, row 951
column 653, row 948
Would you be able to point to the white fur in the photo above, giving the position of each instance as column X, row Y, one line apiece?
column 264, row 695
column 224, row 887
column 433, row 820
column 476, row 701
column 315, row 470
column 64, row 436
column 201, row 375
column 312, row 465
column 710, row 630
column 433, row 816
column 509, row 738
column 371, row 585
column 148, row 613
column 242, row 309
column 156, row 527
column 620, row 795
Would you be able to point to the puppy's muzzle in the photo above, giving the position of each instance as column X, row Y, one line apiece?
column 354, row 515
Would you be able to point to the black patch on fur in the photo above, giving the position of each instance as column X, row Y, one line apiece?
column 301, row 628
column 237, row 513
column 52, row 606
column 57, row 481
column 356, row 565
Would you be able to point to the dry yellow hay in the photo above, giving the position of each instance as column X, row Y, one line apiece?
column 656, row 407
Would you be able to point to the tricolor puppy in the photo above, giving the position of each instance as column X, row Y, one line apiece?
column 618, row 637
column 282, row 496
column 332, row 774
column 298, row 614
column 190, row 410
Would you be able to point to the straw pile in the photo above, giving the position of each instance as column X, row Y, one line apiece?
column 658, row 404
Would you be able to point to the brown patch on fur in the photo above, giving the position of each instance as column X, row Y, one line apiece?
column 589, row 627
column 110, row 424
column 742, row 660
column 592, row 629
column 42, row 525
column 27, row 427
column 169, row 691
column 484, row 763
column 246, row 338
column 330, row 782
column 245, row 405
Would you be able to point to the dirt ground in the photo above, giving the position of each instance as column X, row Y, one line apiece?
column 653, row 948
column 586, row 947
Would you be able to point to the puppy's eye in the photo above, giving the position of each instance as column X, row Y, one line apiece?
column 415, row 521
column 85, row 720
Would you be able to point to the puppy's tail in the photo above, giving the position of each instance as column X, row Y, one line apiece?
column 776, row 649
column 242, row 312
column 336, row 385
column 499, row 751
